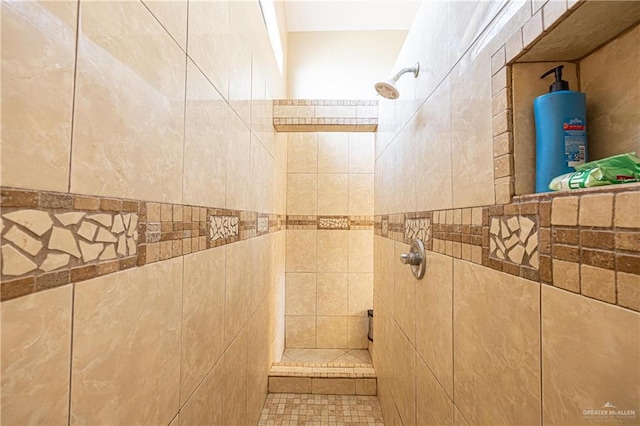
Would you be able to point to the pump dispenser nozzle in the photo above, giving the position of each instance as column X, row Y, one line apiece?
column 559, row 84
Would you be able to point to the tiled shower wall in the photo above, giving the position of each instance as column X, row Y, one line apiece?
column 529, row 309
column 329, row 249
column 143, row 202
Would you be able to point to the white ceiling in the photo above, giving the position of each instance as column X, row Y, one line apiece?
column 352, row 15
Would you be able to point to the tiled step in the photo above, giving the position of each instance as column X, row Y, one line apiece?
column 323, row 379
column 325, row 356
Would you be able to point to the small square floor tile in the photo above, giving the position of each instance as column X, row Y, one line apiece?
column 321, row 410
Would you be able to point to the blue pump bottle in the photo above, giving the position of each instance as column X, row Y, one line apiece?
column 561, row 130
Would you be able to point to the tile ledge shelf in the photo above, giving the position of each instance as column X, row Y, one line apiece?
column 582, row 191
column 325, row 102
column 306, row 115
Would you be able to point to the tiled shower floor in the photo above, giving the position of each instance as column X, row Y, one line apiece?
column 324, row 356
column 320, row 410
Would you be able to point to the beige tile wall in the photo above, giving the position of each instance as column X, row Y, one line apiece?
column 36, row 348
column 327, row 295
column 203, row 305
column 124, row 337
column 127, row 108
column 190, row 336
column 508, row 390
column 612, row 370
column 467, row 344
column 491, row 339
column 36, row 125
column 329, row 284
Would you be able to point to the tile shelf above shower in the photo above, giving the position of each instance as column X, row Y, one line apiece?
column 305, row 115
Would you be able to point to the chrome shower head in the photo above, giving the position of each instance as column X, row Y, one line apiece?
column 387, row 89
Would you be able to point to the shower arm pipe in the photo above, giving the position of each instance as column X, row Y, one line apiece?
column 415, row 70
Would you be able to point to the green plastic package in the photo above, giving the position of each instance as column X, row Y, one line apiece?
column 623, row 168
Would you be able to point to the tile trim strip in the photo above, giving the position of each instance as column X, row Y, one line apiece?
column 472, row 234
column 150, row 232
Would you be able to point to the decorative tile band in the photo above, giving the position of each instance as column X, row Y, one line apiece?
column 340, row 223
column 587, row 242
column 300, row 115
column 417, row 229
column 514, row 239
column 52, row 239
column 223, row 227
column 74, row 238
column 360, row 222
column 333, row 222
column 263, row 224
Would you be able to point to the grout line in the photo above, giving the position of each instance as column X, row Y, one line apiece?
column 73, row 301
column 463, row 416
column 184, row 142
column 540, row 372
column 73, row 96
column 204, row 377
column 144, row 3
column 184, row 114
column 251, row 100
column 73, row 286
column 181, row 340
column 231, row 108
column 453, row 328
column 619, row 36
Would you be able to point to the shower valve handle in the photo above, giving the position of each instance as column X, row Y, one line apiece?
column 416, row 258
column 410, row 258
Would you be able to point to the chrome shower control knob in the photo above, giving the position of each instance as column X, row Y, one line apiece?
column 410, row 258
column 416, row 258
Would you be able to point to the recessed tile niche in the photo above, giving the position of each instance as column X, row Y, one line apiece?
column 598, row 44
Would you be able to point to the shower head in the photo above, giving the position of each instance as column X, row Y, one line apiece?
column 387, row 89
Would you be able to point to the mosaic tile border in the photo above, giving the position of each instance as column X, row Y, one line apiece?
column 306, row 115
column 223, row 227
column 262, row 226
column 333, row 222
column 419, row 228
column 574, row 241
column 514, row 239
column 329, row 223
column 51, row 239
